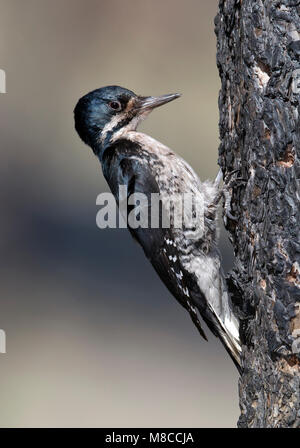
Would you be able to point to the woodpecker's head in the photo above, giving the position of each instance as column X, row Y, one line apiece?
column 102, row 115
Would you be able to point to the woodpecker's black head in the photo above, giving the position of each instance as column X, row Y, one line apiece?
column 102, row 113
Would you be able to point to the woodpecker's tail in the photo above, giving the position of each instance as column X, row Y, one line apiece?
column 232, row 344
column 229, row 328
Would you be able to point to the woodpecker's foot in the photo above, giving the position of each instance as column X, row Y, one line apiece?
column 227, row 203
column 225, row 192
column 229, row 183
column 230, row 180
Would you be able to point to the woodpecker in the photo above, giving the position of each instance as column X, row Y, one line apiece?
column 106, row 119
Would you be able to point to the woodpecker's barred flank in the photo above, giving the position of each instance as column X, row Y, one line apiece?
column 187, row 261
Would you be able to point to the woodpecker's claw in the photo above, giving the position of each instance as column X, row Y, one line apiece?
column 227, row 205
column 230, row 216
column 229, row 183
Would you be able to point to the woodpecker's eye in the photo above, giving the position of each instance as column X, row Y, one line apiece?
column 115, row 105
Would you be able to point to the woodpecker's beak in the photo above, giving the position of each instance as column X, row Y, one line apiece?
column 150, row 102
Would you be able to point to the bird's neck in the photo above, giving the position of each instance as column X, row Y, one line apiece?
column 117, row 129
column 109, row 139
column 97, row 148
column 134, row 137
column 101, row 143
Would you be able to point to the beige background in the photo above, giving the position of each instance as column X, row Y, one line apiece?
column 93, row 337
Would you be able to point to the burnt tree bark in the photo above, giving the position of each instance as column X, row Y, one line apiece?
column 258, row 56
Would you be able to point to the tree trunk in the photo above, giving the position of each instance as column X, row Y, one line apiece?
column 259, row 64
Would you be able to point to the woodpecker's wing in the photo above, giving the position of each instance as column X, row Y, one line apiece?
column 121, row 168
column 160, row 247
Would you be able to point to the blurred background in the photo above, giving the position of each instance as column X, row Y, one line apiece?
column 93, row 337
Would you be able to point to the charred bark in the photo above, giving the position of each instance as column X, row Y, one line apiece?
column 258, row 56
